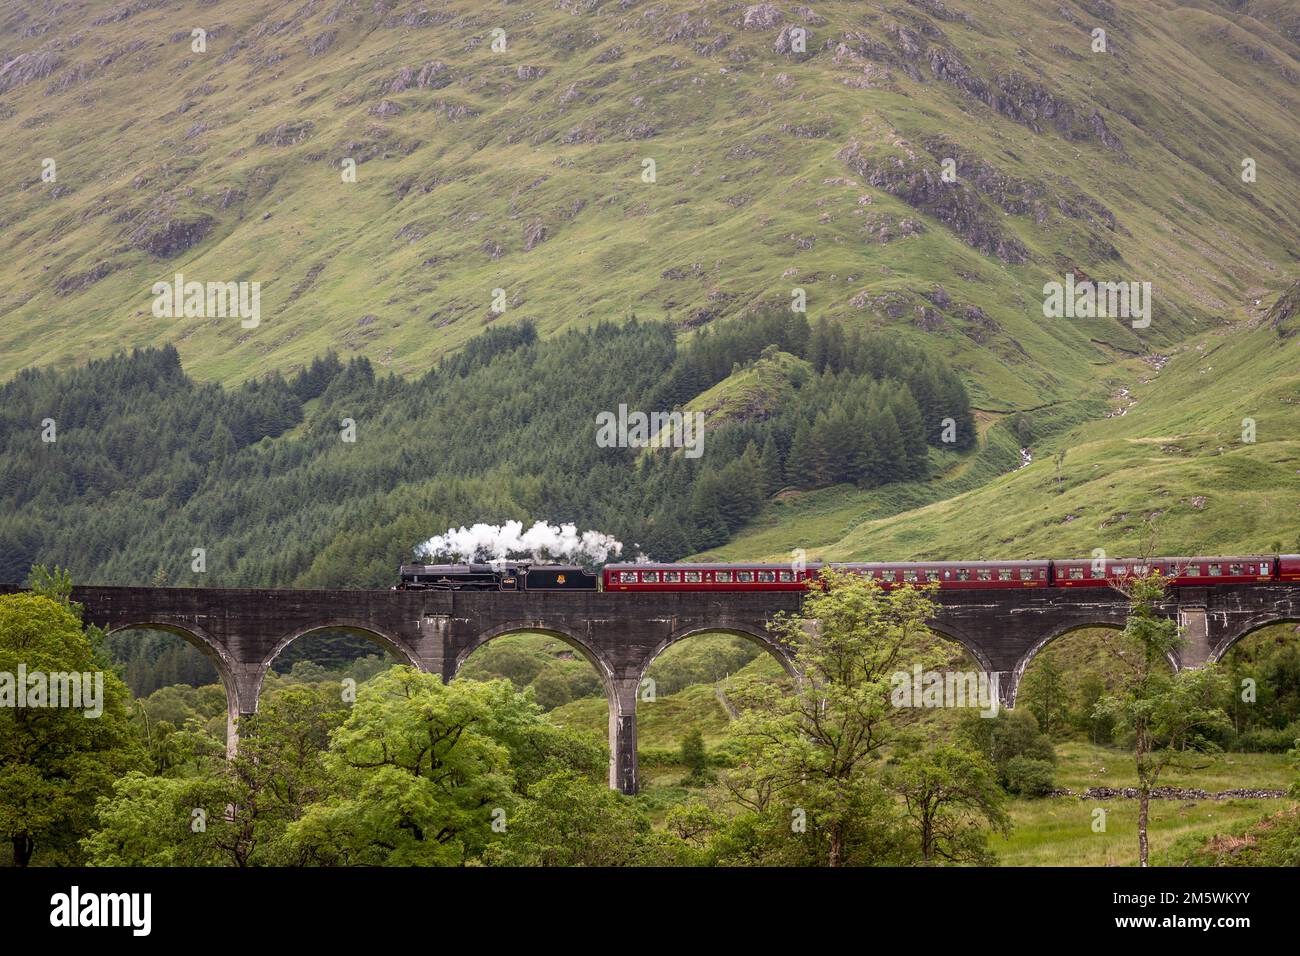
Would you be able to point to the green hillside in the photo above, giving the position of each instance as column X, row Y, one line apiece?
column 521, row 169
column 797, row 151
column 1174, row 460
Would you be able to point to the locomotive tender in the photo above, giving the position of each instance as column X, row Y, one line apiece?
column 649, row 577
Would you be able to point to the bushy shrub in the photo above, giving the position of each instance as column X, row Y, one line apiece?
column 1269, row 739
column 1009, row 735
column 1027, row 777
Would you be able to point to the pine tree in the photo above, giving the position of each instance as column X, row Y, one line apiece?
column 772, row 468
column 800, row 464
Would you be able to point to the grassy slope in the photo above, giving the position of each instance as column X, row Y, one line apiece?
column 480, row 160
column 1180, row 442
column 754, row 196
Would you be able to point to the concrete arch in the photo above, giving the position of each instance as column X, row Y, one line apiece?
column 1250, row 627
column 620, row 695
column 1019, row 672
column 969, row 646
column 226, row 666
column 356, row 628
column 762, row 640
column 592, row 656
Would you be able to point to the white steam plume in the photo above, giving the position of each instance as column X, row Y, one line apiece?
column 487, row 542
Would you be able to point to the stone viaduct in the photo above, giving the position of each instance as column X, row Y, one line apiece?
column 242, row 630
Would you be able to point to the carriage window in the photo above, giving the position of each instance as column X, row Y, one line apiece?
column 692, row 577
column 787, row 575
column 909, row 575
column 1076, row 574
column 1215, row 570
column 1192, row 571
column 932, row 575
column 962, row 574
column 984, row 574
column 767, row 575
column 722, row 577
column 1234, row 569
column 745, row 576
column 1141, row 569
column 650, row 577
column 1004, row 574
column 672, row 577
column 627, row 577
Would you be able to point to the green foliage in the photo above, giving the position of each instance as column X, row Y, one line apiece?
column 1010, row 740
column 1273, row 841
column 55, row 761
column 694, row 757
column 1167, row 715
column 704, row 659
column 806, row 785
column 1262, row 690
column 952, row 799
column 415, row 771
column 416, row 777
column 228, row 813
column 149, row 465
column 554, row 672
column 571, row 820
column 55, row 585
column 1043, row 690
column 1028, row 777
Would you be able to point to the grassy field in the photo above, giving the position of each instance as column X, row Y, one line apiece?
column 1059, row 832
column 1081, row 765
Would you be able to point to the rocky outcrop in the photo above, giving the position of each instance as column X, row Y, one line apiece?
column 1284, row 316
column 164, row 235
column 1021, row 196
column 76, row 282
column 286, row 134
column 431, row 76
column 956, row 205
column 534, row 233
column 322, row 42
column 1012, row 94
column 28, row 68
column 761, row 16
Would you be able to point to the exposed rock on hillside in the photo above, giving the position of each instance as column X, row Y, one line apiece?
column 432, row 76
column 761, row 16
column 1285, row 313
column 956, row 205
column 27, row 68
column 164, row 234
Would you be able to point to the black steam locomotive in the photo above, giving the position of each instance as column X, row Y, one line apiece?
column 496, row 576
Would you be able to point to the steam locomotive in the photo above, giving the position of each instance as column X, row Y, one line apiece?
column 1061, row 572
column 496, row 576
